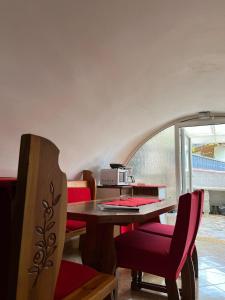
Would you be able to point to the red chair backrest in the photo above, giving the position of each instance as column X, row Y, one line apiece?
column 201, row 204
column 188, row 218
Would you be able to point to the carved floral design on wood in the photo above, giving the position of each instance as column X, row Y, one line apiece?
column 47, row 243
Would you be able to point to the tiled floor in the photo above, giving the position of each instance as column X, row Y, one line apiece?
column 211, row 253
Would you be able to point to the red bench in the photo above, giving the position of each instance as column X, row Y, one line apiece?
column 79, row 191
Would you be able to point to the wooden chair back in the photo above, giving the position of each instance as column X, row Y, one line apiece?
column 38, row 221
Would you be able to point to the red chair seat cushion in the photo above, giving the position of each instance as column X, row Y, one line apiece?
column 72, row 225
column 157, row 228
column 160, row 229
column 71, row 277
column 134, row 251
column 124, row 229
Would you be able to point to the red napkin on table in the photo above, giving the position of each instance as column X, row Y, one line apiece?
column 132, row 202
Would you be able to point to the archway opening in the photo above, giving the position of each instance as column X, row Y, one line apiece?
column 172, row 157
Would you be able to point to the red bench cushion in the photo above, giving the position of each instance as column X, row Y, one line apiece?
column 76, row 194
column 71, row 277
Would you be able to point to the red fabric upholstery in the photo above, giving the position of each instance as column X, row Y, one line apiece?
column 124, row 229
column 185, row 230
column 7, row 179
column 131, row 202
column 168, row 230
column 77, row 194
column 143, row 251
column 132, row 226
column 71, row 277
column 72, row 225
column 157, row 228
column 159, row 255
column 201, row 205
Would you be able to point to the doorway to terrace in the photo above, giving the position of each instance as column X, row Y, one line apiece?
column 188, row 154
column 202, row 158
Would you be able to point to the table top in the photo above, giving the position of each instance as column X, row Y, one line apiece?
column 90, row 211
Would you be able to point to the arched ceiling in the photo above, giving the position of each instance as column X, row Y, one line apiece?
column 97, row 76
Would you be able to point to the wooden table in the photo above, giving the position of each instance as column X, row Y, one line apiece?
column 99, row 249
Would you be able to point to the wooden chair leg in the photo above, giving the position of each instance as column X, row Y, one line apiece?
column 82, row 241
column 172, row 289
column 115, row 291
column 188, row 280
column 195, row 261
column 136, row 280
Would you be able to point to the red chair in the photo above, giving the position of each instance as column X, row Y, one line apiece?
column 132, row 226
column 37, row 233
column 168, row 231
column 163, row 256
column 78, row 191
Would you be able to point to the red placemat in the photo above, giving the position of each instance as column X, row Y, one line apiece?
column 131, row 202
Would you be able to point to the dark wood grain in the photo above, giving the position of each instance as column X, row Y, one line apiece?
column 88, row 176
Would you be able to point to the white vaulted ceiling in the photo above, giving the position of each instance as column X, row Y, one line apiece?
column 97, row 76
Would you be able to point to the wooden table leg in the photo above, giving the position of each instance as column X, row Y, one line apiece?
column 99, row 248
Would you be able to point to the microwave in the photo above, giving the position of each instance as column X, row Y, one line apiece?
column 114, row 176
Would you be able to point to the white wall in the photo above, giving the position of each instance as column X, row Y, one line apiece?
column 97, row 76
column 208, row 179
